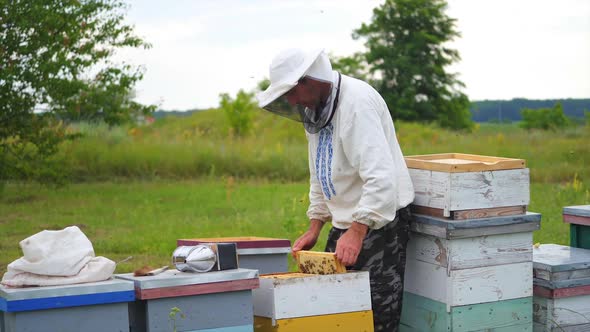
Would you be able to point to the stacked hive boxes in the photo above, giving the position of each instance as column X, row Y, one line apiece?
column 561, row 288
column 469, row 260
column 579, row 219
column 295, row 302
column 96, row 306
column 267, row 255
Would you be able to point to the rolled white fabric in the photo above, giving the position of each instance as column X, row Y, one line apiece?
column 57, row 258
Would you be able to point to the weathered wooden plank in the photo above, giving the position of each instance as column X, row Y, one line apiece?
column 494, row 230
column 489, row 189
column 424, row 314
column 198, row 289
column 468, row 286
column 281, row 296
column 470, row 214
column 500, row 314
column 559, row 276
column 461, row 162
column 173, row 277
column 64, row 296
column 514, row 328
column 577, row 210
column 577, row 220
column 90, row 318
column 432, row 189
column 242, row 242
column 470, row 190
column 559, row 258
column 537, row 327
column 471, row 252
column 344, row 322
column 201, row 312
column 547, row 292
column 315, row 262
column 452, row 229
column 561, row 311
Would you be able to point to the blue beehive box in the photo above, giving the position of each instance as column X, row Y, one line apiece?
column 90, row 307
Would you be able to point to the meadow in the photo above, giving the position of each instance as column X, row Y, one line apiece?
column 135, row 190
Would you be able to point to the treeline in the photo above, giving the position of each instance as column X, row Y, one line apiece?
column 510, row 110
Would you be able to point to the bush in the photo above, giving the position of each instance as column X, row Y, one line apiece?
column 544, row 118
column 239, row 111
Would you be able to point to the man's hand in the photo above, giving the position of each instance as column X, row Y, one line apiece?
column 309, row 238
column 350, row 243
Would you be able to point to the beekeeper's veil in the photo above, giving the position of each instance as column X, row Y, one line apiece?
column 286, row 70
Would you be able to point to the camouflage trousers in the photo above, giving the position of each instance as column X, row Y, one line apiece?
column 384, row 255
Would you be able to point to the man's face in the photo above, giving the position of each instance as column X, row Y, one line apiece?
column 304, row 94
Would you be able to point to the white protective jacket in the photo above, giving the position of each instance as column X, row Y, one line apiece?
column 357, row 170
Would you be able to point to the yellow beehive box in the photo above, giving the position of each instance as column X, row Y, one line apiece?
column 309, row 298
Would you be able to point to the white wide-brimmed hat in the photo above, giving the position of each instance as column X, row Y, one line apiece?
column 288, row 67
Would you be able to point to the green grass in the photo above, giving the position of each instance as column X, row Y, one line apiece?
column 202, row 145
column 144, row 219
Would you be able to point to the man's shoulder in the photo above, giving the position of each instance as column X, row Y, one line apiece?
column 358, row 95
column 355, row 83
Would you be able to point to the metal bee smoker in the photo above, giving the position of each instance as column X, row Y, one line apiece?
column 206, row 257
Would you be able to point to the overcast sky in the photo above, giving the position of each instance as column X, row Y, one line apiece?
column 536, row 49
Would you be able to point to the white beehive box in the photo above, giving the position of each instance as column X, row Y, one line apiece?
column 462, row 183
column 292, row 295
column 468, row 275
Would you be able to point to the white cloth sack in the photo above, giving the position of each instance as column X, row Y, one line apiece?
column 57, row 258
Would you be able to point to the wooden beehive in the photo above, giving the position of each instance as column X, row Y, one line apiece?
column 458, row 272
column 267, row 255
column 299, row 302
column 208, row 301
column 578, row 218
column 96, row 306
column 561, row 288
column 464, row 186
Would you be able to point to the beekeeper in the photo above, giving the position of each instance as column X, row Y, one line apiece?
column 358, row 177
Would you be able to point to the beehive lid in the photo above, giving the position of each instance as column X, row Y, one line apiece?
column 466, row 228
column 558, row 258
column 577, row 210
column 242, row 242
column 173, row 278
column 53, row 297
column 460, row 162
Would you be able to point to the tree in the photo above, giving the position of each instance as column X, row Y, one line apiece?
column 407, row 55
column 48, row 50
column 354, row 66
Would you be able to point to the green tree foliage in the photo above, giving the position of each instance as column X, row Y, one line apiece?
column 48, row 50
column 544, row 118
column 239, row 111
column 354, row 66
column 407, row 53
